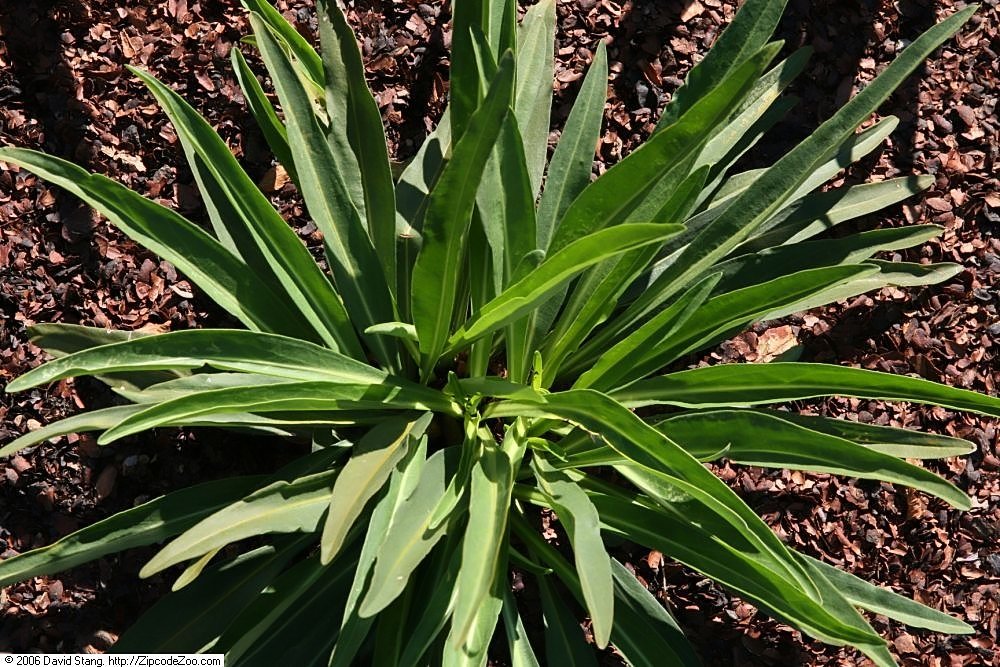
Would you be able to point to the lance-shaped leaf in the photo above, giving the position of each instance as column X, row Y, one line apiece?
column 644, row 631
column 573, row 160
column 611, row 198
column 564, row 641
column 670, row 529
column 300, row 48
column 281, row 397
column 726, row 146
column 144, row 524
column 725, row 314
column 354, row 628
column 348, row 97
column 755, row 438
column 222, row 349
column 95, row 420
column 743, row 385
column 248, row 224
column 521, row 652
column 294, row 618
column 527, row 293
column 883, row 601
column 820, row 211
column 617, row 365
column 779, row 184
column 434, row 586
column 597, row 295
column 356, row 268
column 223, row 277
column 282, row 507
column 640, row 443
column 533, row 96
column 484, row 545
column 593, row 564
column 748, row 32
column 190, row 619
column 372, row 461
column 756, row 268
column 899, row 442
column 263, row 112
column 446, row 223
column 408, row 538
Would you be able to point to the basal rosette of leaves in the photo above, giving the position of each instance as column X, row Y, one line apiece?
column 489, row 327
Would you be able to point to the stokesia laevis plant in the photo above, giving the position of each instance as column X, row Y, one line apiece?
column 479, row 349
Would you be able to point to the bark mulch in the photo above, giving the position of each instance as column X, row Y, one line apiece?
column 64, row 89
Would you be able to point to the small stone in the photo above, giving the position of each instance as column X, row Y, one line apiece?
column 20, row 464
column 106, row 482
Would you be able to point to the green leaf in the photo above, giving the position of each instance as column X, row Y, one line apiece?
column 144, row 524
column 281, row 507
column 434, row 586
column 759, row 439
column 354, row 628
column 518, row 644
column 372, row 461
column 779, row 184
column 95, row 420
column 683, row 530
column 506, row 206
column 533, row 95
column 446, row 222
column 302, row 51
column 883, row 601
column 593, row 564
column 347, row 88
column 618, row 365
column 483, row 629
column 638, row 442
column 484, row 546
column 407, row 539
column 748, row 32
column 610, row 199
column 281, row 397
column 759, row 267
column 465, row 83
column 899, row 442
column 573, row 160
column 223, row 277
column 820, row 211
column 247, row 223
column 222, row 349
column 263, row 112
column 190, row 619
column 60, row 339
column 727, row 314
column 644, row 630
column 646, row 633
column 743, row 385
column 564, row 642
column 295, row 618
column 356, row 268
column 534, row 288
column 727, row 145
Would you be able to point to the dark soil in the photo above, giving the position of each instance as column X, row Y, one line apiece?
column 64, row 90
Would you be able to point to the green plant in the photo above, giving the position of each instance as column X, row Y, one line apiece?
column 476, row 356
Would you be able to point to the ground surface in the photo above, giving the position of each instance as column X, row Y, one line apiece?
column 63, row 89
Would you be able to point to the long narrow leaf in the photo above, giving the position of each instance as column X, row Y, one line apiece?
column 246, row 220
column 222, row 349
column 356, row 268
column 535, row 287
column 446, row 223
column 194, row 252
column 744, row 385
